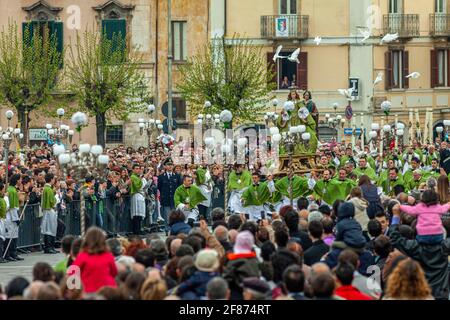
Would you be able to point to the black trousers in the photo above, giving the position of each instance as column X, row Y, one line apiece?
column 1, row 248
column 49, row 242
column 136, row 224
column 12, row 250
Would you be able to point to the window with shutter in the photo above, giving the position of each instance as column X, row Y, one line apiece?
column 302, row 71
column 405, row 64
column 56, row 30
column 433, row 68
column 287, row 72
column 271, row 66
column 388, row 73
column 115, row 30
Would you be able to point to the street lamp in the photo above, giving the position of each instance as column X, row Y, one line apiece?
column 88, row 161
column 60, row 131
column 151, row 125
column 7, row 136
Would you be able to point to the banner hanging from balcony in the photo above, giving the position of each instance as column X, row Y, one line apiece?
column 281, row 27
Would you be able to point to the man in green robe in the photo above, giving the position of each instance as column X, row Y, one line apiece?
column 329, row 190
column 3, row 209
column 238, row 180
column 281, row 197
column 413, row 165
column 187, row 196
column 255, row 197
column 417, row 180
column 204, row 182
column 50, row 217
column 364, row 169
column 395, row 179
column 12, row 220
column 137, row 199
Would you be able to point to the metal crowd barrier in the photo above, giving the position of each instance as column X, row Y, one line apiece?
column 116, row 218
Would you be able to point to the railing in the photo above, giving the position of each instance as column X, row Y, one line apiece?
column 115, row 218
column 439, row 25
column 406, row 25
column 284, row 27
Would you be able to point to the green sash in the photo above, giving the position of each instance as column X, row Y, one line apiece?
column 239, row 181
column 256, row 195
column 48, row 198
column 136, row 184
column 192, row 196
column 13, row 197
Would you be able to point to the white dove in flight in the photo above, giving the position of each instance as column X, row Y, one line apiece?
column 294, row 56
column 318, row 40
column 277, row 54
column 378, row 79
column 413, row 75
column 366, row 34
column 389, row 37
column 347, row 93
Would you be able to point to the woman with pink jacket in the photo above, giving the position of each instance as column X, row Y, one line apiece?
column 428, row 212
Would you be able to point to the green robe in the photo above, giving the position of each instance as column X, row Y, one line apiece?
column 371, row 162
column 192, row 196
column 414, row 184
column 136, row 184
column 370, row 172
column 2, row 208
column 233, row 180
column 201, row 176
column 48, row 198
column 256, row 195
column 408, row 176
column 333, row 189
column 13, row 197
column 299, row 184
column 392, row 184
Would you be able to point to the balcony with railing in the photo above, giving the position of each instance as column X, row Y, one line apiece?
column 440, row 25
column 284, row 27
column 406, row 25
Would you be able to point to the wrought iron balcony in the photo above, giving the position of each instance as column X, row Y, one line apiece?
column 439, row 25
column 289, row 26
column 406, row 25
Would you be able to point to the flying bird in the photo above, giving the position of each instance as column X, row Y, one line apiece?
column 277, row 54
column 318, row 40
column 294, row 56
column 413, row 75
column 378, row 79
column 347, row 93
column 389, row 37
column 366, row 34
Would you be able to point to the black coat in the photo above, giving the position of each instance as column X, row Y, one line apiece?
column 304, row 238
column 444, row 155
column 315, row 252
column 167, row 188
column 433, row 259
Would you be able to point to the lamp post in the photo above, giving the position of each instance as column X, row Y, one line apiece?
column 60, row 131
column 7, row 136
column 151, row 125
column 86, row 162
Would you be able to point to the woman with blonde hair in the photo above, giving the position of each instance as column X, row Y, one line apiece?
column 154, row 288
column 408, row 282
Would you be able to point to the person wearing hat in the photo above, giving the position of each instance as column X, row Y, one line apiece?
column 168, row 182
column 257, row 195
column 238, row 180
column 255, row 289
column 187, row 197
column 207, row 265
column 241, row 263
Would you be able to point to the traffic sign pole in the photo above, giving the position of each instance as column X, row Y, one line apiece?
column 169, row 65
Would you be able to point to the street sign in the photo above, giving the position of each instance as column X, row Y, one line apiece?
column 165, row 125
column 354, row 83
column 165, row 109
column 349, row 131
column 37, row 134
column 349, row 112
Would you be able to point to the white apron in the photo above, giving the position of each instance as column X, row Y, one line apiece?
column 137, row 205
column 2, row 229
column 11, row 227
column 49, row 222
column 234, row 203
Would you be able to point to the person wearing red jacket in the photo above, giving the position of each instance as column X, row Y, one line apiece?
column 97, row 266
column 344, row 277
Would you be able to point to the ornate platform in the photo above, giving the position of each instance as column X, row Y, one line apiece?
column 301, row 164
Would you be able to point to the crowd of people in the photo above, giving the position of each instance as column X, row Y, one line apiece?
column 360, row 227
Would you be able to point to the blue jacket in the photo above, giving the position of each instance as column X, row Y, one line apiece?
column 195, row 287
column 366, row 259
column 179, row 227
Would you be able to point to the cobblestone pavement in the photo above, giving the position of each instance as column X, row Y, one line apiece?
column 24, row 268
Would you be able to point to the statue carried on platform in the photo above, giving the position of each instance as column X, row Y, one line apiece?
column 295, row 112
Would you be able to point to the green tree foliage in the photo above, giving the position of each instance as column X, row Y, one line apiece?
column 107, row 81
column 232, row 74
column 29, row 67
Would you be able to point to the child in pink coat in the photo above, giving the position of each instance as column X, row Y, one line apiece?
column 428, row 212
